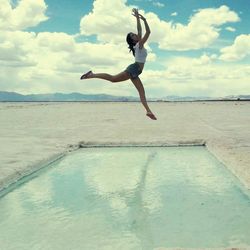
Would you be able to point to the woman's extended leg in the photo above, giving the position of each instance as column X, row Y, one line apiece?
column 138, row 84
column 123, row 76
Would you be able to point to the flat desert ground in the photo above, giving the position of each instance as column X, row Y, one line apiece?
column 34, row 134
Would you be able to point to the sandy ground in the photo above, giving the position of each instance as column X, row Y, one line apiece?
column 33, row 134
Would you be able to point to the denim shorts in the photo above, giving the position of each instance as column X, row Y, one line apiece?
column 133, row 70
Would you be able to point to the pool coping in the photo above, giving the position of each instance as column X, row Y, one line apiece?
column 196, row 142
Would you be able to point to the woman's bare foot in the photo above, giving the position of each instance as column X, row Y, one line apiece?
column 151, row 115
column 87, row 75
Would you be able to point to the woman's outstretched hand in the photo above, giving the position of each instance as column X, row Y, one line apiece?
column 135, row 12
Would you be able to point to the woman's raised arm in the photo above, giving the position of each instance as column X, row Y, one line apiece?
column 136, row 14
column 145, row 37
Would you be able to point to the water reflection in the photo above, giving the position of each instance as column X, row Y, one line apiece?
column 128, row 198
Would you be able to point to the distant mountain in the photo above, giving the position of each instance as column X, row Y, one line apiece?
column 11, row 96
column 185, row 98
column 236, row 97
column 77, row 97
column 205, row 98
column 59, row 97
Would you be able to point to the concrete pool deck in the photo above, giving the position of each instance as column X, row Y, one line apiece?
column 34, row 134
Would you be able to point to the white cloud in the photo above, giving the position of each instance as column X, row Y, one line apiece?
column 239, row 50
column 202, row 76
column 54, row 67
column 158, row 4
column 48, row 62
column 201, row 31
column 55, row 41
column 27, row 13
column 230, row 29
column 15, row 48
column 109, row 26
column 174, row 14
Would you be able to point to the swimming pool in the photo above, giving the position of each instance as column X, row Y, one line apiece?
column 128, row 198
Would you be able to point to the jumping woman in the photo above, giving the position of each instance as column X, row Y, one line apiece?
column 132, row 72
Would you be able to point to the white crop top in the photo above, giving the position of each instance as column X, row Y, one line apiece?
column 140, row 54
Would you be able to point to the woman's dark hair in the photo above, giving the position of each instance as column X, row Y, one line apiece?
column 131, row 43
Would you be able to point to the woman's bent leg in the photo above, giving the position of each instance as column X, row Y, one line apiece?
column 139, row 86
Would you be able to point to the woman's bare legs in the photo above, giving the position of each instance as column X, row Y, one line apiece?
column 123, row 76
column 139, row 86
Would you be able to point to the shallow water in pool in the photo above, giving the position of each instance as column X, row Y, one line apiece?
column 128, row 198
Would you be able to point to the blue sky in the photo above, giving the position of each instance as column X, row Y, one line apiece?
column 198, row 48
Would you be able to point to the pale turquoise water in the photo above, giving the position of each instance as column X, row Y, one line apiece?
column 128, row 198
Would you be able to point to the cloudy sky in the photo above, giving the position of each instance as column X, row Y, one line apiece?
column 196, row 48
